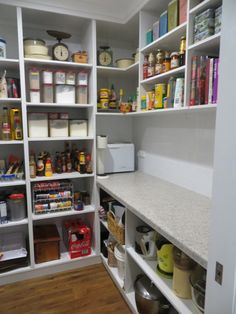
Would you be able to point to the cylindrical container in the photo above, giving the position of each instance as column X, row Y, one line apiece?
column 159, row 62
column 160, row 92
column 104, row 93
column 101, row 141
column 104, row 103
column 166, row 62
column 60, row 77
column 47, row 77
column 143, row 103
column 3, row 53
column 16, row 206
column 70, row 78
column 48, row 93
column 34, row 78
column 82, row 94
column 150, row 98
column 174, row 62
column 120, row 257
column 82, row 78
column 35, row 96
column 183, row 266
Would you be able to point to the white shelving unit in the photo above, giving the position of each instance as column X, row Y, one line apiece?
column 68, row 138
column 56, row 105
column 14, row 223
column 58, row 64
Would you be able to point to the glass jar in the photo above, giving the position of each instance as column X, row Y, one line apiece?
column 151, row 65
column 174, row 62
column 159, row 62
column 166, row 62
column 182, row 50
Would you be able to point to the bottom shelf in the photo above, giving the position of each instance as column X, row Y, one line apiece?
column 16, row 271
column 65, row 258
column 183, row 306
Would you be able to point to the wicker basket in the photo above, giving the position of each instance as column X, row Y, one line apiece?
column 112, row 261
column 117, row 231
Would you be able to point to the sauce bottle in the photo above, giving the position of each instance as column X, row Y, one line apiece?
column 182, row 51
column 6, row 126
column 82, row 162
column 151, row 65
column 48, row 167
column 159, row 62
column 32, row 167
column 89, row 164
column 68, row 163
column 145, row 68
column 40, row 166
column 17, row 127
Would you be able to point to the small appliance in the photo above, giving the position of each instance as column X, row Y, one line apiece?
column 165, row 262
column 145, row 244
column 119, row 157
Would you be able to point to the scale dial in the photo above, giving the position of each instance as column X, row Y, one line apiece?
column 60, row 52
column 105, row 58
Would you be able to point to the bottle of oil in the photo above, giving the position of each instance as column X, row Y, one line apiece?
column 182, row 51
column 17, row 127
column 6, row 125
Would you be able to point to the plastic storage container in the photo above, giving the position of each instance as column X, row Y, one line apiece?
column 65, row 94
column 82, row 78
column 34, row 79
column 82, row 94
column 16, row 206
column 35, row 96
column 38, row 124
column 70, row 78
column 47, row 77
column 48, row 93
column 78, row 128
column 60, row 77
column 120, row 257
column 59, row 128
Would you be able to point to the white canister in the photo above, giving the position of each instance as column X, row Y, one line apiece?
column 3, row 53
column 65, row 94
column 78, row 128
column 60, row 77
column 102, row 141
column 82, row 78
column 38, row 124
column 34, row 79
column 82, row 94
column 35, row 96
column 70, row 78
column 47, row 77
column 58, row 128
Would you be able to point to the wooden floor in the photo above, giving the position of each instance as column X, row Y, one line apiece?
column 85, row 291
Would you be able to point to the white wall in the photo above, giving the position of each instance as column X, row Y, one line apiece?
column 177, row 147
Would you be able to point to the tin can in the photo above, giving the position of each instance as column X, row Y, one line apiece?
column 143, row 103
column 160, row 93
column 104, row 93
column 104, row 103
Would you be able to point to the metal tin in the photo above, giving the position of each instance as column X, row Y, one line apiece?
column 104, row 103
column 104, row 93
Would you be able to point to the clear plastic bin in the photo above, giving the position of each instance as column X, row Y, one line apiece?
column 16, row 207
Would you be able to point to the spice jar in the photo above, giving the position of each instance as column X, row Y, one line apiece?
column 174, row 62
column 166, row 62
column 159, row 62
column 182, row 50
column 151, row 65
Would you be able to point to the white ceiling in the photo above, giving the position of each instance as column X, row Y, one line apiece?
column 119, row 11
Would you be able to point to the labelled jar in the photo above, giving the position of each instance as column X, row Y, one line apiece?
column 166, row 62
column 174, row 62
column 34, row 78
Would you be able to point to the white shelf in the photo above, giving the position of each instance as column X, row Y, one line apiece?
column 112, row 114
column 10, row 100
column 167, row 41
column 14, row 223
column 163, row 284
column 47, row 63
column 43, row 104
column 205, row 5
column 12, row 64
column 130, row 298
column 164, row 76
column 62, row 176
column 11, row 142
column 113, row 271
column 65, row 258
column 12, row 183
column 66, row 138
column 16, row 271
column 133, row 68
column 210, row 44
column 86, row 210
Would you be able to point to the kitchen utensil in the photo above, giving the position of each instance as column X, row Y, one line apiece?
column 60, row 50
column 183, row 266
column 124, row 63
column 149, row 299
column 198, row 287
column 145, row 238
column 165, row 257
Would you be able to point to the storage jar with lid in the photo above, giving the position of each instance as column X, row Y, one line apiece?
column 60, row 77
column 174, row 62
column 104, row 93
column 183, row 267
column 3, row 53
column 82, row 94
column 35, row 96
column 166, row 62
column 82, row 78
column 48, row 93
column 159, row 62
column 34, row 78
column 70, row 78
column 47, row 77
column 16, row 206
column 149, row 299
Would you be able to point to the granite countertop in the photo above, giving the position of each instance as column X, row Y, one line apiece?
column 180, row 215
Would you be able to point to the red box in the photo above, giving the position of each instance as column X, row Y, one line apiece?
column 77, row 238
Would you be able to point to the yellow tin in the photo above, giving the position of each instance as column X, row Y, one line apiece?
column 104, row 103
column 104, row 93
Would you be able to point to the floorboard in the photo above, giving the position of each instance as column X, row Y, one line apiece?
column 85, row 291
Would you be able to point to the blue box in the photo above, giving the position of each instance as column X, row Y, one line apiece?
column 163, row 23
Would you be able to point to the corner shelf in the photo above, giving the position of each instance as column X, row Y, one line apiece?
column 64, row 138
column 163, row 284
column 166, row 41
column 54, row 63
column 114, row 70
column 56, row 105
column 14, row 223
column 164, row 76
column 86, row 210
column 62, row 176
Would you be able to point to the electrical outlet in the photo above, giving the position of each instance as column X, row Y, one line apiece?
column 219, row 273
column 141, row 154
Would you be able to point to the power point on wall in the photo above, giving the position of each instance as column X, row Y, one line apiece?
column 219, row 273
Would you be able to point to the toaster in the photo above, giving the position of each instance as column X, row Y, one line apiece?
column 119, row 157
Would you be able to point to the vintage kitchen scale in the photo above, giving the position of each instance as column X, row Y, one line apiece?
column 60, row 51
column 105, row 56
